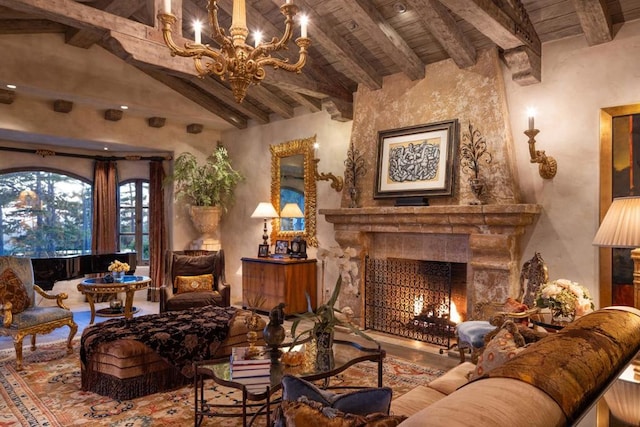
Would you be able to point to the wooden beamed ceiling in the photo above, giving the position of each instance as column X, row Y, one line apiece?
column 354, row 42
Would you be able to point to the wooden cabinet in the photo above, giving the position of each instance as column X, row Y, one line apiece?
column 280, row 280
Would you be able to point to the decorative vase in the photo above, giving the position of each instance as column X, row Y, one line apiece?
column 273, row 335
column 118, row 276
column 324, row 342
column 477, row 186
column 325, row 360
column 254, row 323
column 353, row 195
column 206, row 220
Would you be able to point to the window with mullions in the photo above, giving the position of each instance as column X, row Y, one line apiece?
column 133, row 211
column 44, row 213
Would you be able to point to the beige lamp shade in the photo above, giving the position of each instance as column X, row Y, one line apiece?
column 264, row 210
column 620, row 227
column 291, row 210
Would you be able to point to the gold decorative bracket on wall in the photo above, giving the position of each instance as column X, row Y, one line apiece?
column 547, row 165
column 337, row 182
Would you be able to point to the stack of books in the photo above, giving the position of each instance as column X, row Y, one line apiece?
column 254, row 371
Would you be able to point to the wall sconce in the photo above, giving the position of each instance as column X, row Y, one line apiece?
column 337, row 182
column 547, row 164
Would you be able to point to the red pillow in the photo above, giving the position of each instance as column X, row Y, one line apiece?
column 12, row 290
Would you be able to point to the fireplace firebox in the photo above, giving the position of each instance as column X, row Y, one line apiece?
column 414, row 299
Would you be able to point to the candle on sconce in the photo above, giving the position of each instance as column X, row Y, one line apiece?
column 197, row 28
column 288, row 1
column 531, row 113
column 315, row 150
column 303, row 26
column 530, row 122
column 167, row 6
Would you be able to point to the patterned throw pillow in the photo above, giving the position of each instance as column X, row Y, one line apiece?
column 203, row 282
column 504, row 346
column 306, row 412
column 12, row 290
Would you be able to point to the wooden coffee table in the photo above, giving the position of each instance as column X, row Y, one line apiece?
column 129, row 285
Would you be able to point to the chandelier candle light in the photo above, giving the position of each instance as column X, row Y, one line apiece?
column 236, row 61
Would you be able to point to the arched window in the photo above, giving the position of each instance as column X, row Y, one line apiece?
column 133, row 211
column 44, row 213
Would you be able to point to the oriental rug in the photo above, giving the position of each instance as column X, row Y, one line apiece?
column 47, row 393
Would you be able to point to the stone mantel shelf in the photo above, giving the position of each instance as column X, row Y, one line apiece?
column 455, row 219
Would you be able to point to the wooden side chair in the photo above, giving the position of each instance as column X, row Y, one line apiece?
column 20, row 316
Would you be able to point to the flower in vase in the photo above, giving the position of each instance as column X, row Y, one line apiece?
column 118, row 266
column 564, row 298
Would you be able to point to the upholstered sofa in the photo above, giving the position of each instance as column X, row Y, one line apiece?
column 185, row 264
column 552, row 382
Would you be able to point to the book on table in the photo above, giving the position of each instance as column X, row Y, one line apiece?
column 250, row 371
column 240, row 356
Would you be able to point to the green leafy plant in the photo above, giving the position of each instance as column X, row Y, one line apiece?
column 208, row 184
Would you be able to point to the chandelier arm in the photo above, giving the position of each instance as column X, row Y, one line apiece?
column 217, row 34
column 284, row 63
column 217, row 67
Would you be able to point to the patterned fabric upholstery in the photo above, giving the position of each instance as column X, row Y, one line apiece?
column 12, row 290
column 35, row 319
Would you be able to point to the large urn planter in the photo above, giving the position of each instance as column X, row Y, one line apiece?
column 206, row 220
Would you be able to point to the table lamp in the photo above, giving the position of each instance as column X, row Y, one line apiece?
column 620, row 228
column 291, row 210
column 266, row 211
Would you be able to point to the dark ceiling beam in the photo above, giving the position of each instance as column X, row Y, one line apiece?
column 382, row 34
column 339, row 110
column 321, row 32
column 510, row 28
column 444, row 28
column 220, row 91
column 30, row 26
column 312, row 104
column 87, row 38
column 198, row 96
column 264, row 96
column 595, row 20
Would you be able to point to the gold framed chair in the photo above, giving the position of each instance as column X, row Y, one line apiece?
column 34, row 319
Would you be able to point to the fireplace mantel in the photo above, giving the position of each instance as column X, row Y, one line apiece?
column 485, row 237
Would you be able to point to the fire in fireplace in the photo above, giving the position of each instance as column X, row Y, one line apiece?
column 413, row 299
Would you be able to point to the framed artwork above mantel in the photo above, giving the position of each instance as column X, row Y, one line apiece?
column 417, row 161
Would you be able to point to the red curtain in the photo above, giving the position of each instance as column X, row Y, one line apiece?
column 105, row 206
column 157, row 229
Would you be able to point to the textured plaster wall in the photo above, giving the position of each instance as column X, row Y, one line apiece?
column 249, row 149
column 577, row 81
column 474, row 95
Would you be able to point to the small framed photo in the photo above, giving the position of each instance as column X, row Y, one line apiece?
column 417, row 161
column 263, row 250
column 282, row 247
column 298, row 248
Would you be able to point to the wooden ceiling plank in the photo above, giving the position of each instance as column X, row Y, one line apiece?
column 339, row 110
column 359, row 69
column 525, row 65
column 312, row 104
column 595, row 20
column 444, row 28
column 509, row 28
column 385, row 36
column 30, row 26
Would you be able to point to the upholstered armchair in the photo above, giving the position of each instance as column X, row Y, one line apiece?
column 194, row 279
column 20, row 314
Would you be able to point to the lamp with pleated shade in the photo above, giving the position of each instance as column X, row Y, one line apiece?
column 620, row 228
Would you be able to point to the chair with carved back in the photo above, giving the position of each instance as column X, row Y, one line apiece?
column 20, row 314
column 488, row 316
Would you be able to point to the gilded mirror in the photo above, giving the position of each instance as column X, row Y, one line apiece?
column 293, row 181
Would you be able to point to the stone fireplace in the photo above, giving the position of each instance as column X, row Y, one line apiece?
column 484, row 237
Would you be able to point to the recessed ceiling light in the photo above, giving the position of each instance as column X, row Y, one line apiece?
column 106, row 148
column 399, row 7
column 124, row 107
column 10, row 86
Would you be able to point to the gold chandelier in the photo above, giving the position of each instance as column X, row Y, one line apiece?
column 236, row 61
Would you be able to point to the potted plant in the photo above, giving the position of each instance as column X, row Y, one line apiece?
column 207, row 188
column 327, row 317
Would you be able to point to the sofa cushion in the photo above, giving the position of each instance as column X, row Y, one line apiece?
column 359, row 402
column 501, row 348
column 193, row 265
column 12, row 290
column 453, row 379
column 306, row 413
column 202, row 282
column 187, row 300
column 415, row 400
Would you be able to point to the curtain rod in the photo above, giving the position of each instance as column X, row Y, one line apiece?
column 46, row 153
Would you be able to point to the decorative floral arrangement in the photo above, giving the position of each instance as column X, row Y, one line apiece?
column 347, row 268
column 119, row 266
column 564, row 298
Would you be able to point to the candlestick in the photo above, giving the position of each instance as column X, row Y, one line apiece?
column 303, row 26
column 239, row 14
column 197, row 28
column 167, row 6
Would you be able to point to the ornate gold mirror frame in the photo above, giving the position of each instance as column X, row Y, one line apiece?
column 278, row 153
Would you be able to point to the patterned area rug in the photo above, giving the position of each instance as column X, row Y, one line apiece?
column 47, row 393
